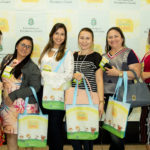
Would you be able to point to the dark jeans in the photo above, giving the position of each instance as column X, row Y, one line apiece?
column 55, row 126
column 116, row 142
column 77, row 144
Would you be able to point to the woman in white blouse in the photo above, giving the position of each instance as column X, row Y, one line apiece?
column 52, row 54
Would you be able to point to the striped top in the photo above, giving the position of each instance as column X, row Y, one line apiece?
column 88, row 65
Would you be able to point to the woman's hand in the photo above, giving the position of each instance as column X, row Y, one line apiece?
column 112, row 72
column 78, row 76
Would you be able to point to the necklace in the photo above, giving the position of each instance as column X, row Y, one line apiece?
column 54, row 49
column 81, row 62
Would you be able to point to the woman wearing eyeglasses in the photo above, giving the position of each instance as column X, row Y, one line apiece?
column 18, row 73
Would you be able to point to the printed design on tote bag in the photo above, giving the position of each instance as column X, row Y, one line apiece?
column 84, row 124
column 117, row 117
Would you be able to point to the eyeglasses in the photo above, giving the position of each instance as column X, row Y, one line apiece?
column 25, row 46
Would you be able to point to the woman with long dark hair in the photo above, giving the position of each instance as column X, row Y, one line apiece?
column 51, row 56
column 18, row 73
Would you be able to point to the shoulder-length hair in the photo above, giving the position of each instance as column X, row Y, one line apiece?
column 16, row 71
column 107, row 47
column 50, row 43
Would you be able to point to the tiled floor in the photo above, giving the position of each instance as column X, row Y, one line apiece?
column 96, row 147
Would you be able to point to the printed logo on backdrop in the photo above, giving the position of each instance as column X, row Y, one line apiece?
column 147, row 48
column 95, row 26
column 148, row 1
column 5, row 1
column 126, row 25
column 94, row 1
column 61, row 1
column 125, row 2
column 66, row 21
column 30, row 1
column 30, row 27
column 4, row 25
column 98, row 48
column 36, row 51
column 31, row 21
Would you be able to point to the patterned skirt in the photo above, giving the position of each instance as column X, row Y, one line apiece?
column 10, row 114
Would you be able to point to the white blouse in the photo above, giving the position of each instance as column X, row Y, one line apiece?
column 64, row 73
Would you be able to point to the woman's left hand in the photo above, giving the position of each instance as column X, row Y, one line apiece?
column 112, row 72
column 101, row 109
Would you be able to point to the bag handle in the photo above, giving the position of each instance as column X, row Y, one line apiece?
column 61, row 61
column 89, row 86
column 27, row 100
column 119, row 83
column 87, row 91
column 135, row 74
column 125, row 79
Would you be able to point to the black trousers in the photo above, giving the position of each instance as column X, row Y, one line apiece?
column 116, row 142
column 82, row 144
column 55, row 125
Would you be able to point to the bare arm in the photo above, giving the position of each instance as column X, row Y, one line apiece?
column 100, row 89
column 145, row 75
column 115, row 72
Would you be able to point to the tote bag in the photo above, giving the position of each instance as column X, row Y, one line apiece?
column 32, row 128
column 138, row 93
column 69, row 94
column 116, row 117
column 53, row 98
column 82, row 119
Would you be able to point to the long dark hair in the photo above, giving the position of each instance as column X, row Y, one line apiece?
column 1, row 32
column 16, row 71
column 50, row 43
column 107, row 47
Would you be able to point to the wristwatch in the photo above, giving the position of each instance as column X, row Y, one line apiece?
column 121, row 74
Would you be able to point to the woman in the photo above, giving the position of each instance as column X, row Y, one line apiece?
column 86, row 63
column 121, row 59
column 17, row 75
column 145, row 115
column 52, row 54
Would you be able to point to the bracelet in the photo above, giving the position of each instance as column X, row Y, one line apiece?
column 102, row 102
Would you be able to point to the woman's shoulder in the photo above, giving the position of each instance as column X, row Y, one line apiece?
column 96, row 55
column 30, row 65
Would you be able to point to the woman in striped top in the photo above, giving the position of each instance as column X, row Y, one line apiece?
column 86, row 63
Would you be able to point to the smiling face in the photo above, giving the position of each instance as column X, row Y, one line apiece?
column 24, row 48
column 59, row 37
column 114, row 39
column 85, row 40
